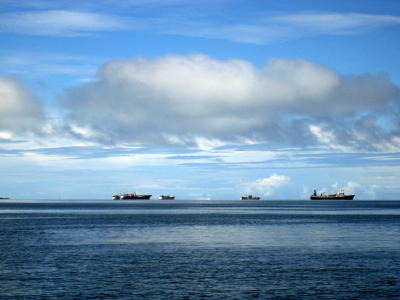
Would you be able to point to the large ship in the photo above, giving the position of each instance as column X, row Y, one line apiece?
column 249, row 197
column 132, row 196
column 166, row 197
column 340, row 195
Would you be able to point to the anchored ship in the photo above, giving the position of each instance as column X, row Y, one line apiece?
column 166, row 197
column 249, row 197
column 340, row 195
column 4, row 198
column 132, row 196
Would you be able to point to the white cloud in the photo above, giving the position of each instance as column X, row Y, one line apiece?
column 194, row 96
column 325, row 137
column 267, row 185
column 20, row 112
column 5, row 135
column 207, row 144
column 199, row 101
column 352, row 187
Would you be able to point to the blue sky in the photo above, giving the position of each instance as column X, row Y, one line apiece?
column 201, row 99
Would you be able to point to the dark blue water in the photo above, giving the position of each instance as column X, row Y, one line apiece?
column 199, row 250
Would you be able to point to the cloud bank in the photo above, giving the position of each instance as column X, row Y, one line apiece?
column 183, row 99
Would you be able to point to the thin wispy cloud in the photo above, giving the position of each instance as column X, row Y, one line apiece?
column 35, row 63
column 335, row 23
column 105, row 4
column 267, row 29
column 59, row 22
column 262, row 28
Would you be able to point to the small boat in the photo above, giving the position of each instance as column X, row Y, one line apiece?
column 4, row 198
column 166, row 197
column 250, row 197
column 132, row 196
column 340, row 195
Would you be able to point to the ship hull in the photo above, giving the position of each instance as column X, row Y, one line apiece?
column 333, row 197
column 249, row 198
column 135, row 197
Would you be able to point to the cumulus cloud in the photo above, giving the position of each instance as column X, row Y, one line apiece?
column 20, row 112
column 184, row 99
column 267, row 185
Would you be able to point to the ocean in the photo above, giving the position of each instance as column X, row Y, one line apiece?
column 179, row 249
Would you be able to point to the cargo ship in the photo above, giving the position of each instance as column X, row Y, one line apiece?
column 249, row 197
column 340, row 195
column 132, row 196
column 166, row 197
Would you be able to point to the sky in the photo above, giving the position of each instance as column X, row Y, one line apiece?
column 199, row 99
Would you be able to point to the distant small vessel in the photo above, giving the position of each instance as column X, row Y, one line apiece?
column 4, row 198
column 132, row 196
column 340, row 195
column 166, row 197
column 249, row 197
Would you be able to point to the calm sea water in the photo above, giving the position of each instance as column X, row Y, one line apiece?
column 199, row 250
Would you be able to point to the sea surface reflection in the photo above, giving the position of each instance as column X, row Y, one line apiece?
column 199, row 249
